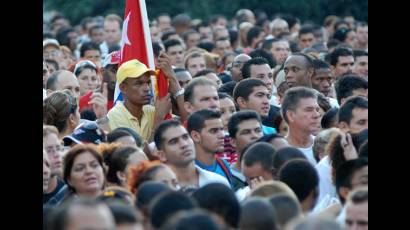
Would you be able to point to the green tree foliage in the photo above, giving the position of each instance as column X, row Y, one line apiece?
column 314, row 10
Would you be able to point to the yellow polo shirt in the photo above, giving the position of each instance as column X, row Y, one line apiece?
column 119, row 116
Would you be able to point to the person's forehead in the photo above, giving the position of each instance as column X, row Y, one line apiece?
column 296, row 60
column 280, row 44
column 345, row 59
column 260, row 88
column 196, row 60
column 259, row 68
column 213, row 122
column 112, row 24
column 248, row 124
column 306, row 35
column 205, row 90
column 174, row 132
column 323, row 71
column 144, row 78
column 176, row 47
column 362, row 58
column 307, row 102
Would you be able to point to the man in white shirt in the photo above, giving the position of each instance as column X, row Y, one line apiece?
column 176, row 149
column 301, row 112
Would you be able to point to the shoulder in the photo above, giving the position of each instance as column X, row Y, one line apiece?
column 206, row 177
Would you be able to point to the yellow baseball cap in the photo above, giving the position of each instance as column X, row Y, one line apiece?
column 132, row 69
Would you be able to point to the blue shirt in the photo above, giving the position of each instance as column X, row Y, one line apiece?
column 216, row 168
column 268, row 130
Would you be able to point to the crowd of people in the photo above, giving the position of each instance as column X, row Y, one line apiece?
column 265, row 125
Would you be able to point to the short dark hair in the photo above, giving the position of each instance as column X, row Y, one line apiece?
column 188, row 32
column 52, row 62
column 53, row 79
column 300, row 176
column 364, row 149
column 238, row 118
column 285, row 155
column 292, row 98
column 345, row 85
column 124, row 214
column 346, row 110
column 88, row 46
column 203, row 73
column 219, row 199
column 341, row 34
column 228, row 88
column 196, row 219
column 62, row 36
column 329, row 117
column 263, row 54
column 308, row 29
column 159, row 132
column 196, row 121
column 245, row 88
column 262, row 153
column 95, row 27
column 258, row 213
column 125, row 131
column 319, row 64
column 190, row 87
column 345, row 172
column 339, row 52
column 171, row 42
column 323, row 102
column 167, row 34
column 208, row 46
column 267, row 43
column 166, row 204
column 246, row 68
column 287, row 207
column 116, row 158
column 359, row 53
column 253, row 33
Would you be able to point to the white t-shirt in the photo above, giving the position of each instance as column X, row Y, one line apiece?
column 206, row 177
column 308, row 152
column 333, row 102
column 326, row 187
column 242, row 193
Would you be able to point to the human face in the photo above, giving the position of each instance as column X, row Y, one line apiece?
column 167, row 176
column 221, row 34
column 97, row 36
column 258, row 101
column 155, row 34
column 237, row 66
column 90, row 218
column 361, row 66
column 255, row 171
column 206, row 34
column 297, row 73
column 213, row 77
column 344, row 65
column 73, row 38
column 204, row 97
column 52, row 52
column 195, row 65
column 359, row 120
column 306, row 40
column 46, row 171
column 360, row 178
column 280, row 28
column 94, row 55
column 263, row 73
column 248, row 132
column 306, row 116
column 280, row 51
column 164, row 22
column 86, row 175
column 54, row 149
column 88, row 80
column 351, row 38
column 67, row 80
column 193, row 40
column 45, row 74
column 178, row 147
column 357, row 216
column 322, row 81
column 211, row 137
column 137, row 90
column 362, row 34
column 113, row 32
column 109, row 76
column 176, row 54
column 227, row 110
column 223, row 47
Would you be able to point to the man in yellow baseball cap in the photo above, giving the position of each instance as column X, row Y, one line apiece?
column 134, row 79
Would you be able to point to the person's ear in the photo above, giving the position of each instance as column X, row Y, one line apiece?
column 343, row 126
column 233, row 142
column 161, row 155
column 121, row 176
column 72, row 120
column 188, row 107
column 122, row 87
column 291, row 116
column 241, row 102
column 343, row 192
column 196, row 136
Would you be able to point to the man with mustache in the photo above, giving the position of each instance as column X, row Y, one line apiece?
column 134, row 79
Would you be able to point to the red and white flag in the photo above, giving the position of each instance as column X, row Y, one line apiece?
column 136, row 38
